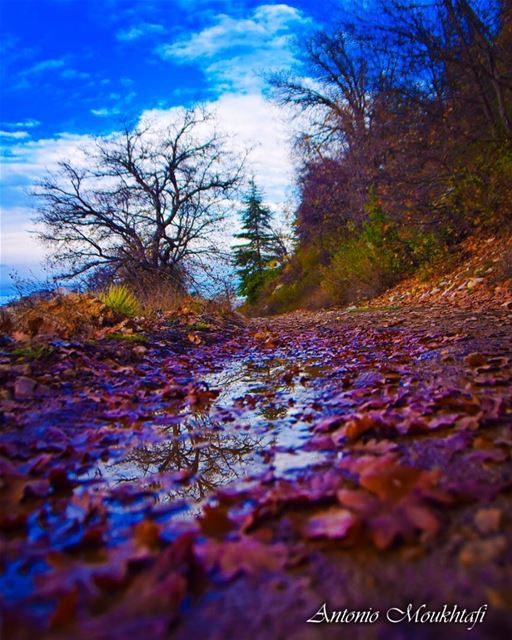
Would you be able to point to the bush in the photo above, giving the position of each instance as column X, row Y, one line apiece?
column 380, row 255
column 119, row 298
column 359, row 264
column 295, row 285
column 367, row 263
column 480, row 189
column 428, row 252
column 64, row 316
column 253, row 284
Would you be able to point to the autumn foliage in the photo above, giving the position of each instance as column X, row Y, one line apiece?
column 409, row 116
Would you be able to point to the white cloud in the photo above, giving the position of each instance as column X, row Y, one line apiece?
column 264, row 27
column 26, row 124
column 25, row 163
column 19, row 246
column 233, row 52
column 105, row 112
column 32, row 157
column 251, row 121
column 18, row 135
column 44, row 65
column 140, row 31
column 73, row 74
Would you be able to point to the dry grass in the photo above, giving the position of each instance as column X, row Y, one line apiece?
column 63, row 316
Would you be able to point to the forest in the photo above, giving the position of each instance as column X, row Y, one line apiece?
column 215, row 424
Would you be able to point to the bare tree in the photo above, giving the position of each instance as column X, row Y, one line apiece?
column 350, row 79
column 147, row 201
column 398, row 95
column 465, row 44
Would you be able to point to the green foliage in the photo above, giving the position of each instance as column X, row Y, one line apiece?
column 378, row 256
column 132, row 338
column 480, row 189
column 119, row 298
column 33, row 352
column 428, row 252
column 296, row 285
column 366, row 263
column 199, row 326
column 251, row 284
column 360, row 264
column 254, row 257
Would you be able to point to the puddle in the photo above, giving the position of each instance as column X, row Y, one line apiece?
column 258, row 422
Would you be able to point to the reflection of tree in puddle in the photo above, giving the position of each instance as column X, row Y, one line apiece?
column 212, row 457
column 267, row 381
column 204, row 449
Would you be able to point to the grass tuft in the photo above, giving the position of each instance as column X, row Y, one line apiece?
column 119, row 298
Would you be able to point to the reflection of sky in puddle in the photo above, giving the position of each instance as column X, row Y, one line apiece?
column 259, row 422
column 254, row 424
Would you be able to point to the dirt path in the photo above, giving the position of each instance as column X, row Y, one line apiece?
column 359, row 459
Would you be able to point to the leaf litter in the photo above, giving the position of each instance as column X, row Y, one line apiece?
column 296, row 452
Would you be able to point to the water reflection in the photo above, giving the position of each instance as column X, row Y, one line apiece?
column 200, row 449
column 254, row 423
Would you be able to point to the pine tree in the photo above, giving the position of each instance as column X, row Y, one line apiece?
column 259, row 248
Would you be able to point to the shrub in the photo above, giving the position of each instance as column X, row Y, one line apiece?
column 135, row 338
column 295, row 285
column 358, row 264
column 64, row 316
column 368, row 262
column 253, row 283
column 428, row 252
column 480, row 189
column 33, row 352
column 119, row 298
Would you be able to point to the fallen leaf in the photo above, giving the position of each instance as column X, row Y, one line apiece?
column 334, row 523
column 488, row 520
column 482, row 551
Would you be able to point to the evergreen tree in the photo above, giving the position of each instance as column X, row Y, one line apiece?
column 259, row 249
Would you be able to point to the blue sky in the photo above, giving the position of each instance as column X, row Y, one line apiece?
column 73, row 68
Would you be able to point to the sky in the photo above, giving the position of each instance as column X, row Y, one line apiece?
column 72, row 69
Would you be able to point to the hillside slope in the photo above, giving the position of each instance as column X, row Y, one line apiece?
column 481, row 280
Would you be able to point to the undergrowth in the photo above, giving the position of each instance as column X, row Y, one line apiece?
column 119, row 298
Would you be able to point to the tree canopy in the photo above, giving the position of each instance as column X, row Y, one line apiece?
column 261, row 246
column 145, row 203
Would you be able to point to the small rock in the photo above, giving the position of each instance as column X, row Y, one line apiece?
column 488, row 520
column 24, row 388
column 7, row 370
column 482, row 551
column 475, row 360
column 139, row 350
column 473, row 282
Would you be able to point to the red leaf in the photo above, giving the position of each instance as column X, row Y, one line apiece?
column 334, row 523
column 244, row 556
